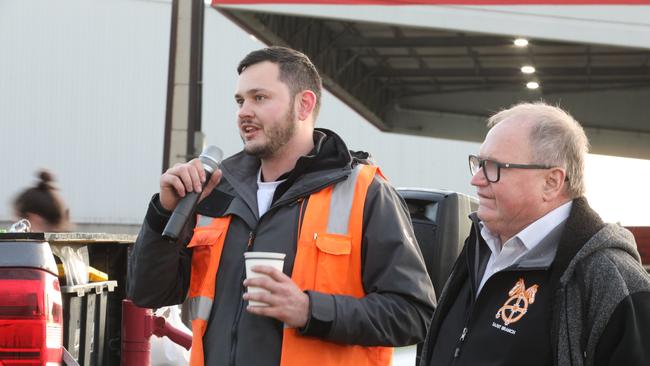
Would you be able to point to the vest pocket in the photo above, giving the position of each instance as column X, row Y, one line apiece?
column 205, row 256
column 333, row 263
column 210, row 233
column 204, row 237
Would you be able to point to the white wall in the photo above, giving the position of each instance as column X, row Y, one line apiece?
column 82, row 93
column 406, row 160
column 83, row 89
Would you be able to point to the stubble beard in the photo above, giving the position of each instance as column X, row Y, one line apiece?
column 277, row 136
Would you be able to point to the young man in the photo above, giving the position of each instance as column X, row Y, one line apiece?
column 349, row 288
column 541, row 280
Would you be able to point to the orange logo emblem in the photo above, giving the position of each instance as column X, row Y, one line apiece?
column 517, row 305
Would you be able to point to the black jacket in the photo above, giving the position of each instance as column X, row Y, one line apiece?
column 400, row 297
column 597, row 311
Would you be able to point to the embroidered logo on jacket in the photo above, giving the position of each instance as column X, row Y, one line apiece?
column 517, row 305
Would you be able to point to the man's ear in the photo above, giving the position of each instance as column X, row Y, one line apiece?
column 555, row 183
column 306, row 102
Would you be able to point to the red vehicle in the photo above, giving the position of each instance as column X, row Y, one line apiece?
column 31, row 316
column 642, row 236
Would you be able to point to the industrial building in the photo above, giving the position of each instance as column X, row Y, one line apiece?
column 83, row 86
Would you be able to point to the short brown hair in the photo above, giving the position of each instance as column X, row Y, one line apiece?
column 296, row 70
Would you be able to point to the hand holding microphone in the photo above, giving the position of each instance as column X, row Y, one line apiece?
column 182, row 186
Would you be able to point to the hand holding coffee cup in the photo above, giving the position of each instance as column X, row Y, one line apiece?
column 272, row 293
column 275, row 260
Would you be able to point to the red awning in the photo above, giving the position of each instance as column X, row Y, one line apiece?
column 437, row 2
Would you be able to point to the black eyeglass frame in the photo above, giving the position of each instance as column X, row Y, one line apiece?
column 481, row 165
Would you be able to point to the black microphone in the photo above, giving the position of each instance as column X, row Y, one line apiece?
column 211, row 159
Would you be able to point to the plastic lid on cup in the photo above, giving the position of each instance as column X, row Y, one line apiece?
column 264, row 255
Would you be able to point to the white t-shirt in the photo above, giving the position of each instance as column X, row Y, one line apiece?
column 265, row 192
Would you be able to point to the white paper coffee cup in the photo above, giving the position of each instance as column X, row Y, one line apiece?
column 275, row 260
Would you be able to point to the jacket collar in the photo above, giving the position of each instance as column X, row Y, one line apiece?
column 561, row 244
column 329, row 162
column 582, row 224
column 594, row 235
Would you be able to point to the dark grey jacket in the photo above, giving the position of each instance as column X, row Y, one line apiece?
column 602, row 316
column 400, row 298
column 600, row 312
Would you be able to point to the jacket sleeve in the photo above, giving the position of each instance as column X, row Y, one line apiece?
column 617, row 301
column 159, row 270
column 400, row 299
column 626, row 338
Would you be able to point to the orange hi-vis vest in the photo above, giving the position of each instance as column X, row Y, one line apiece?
column 328, row 260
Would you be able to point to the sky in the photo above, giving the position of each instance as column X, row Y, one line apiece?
column 617, row 188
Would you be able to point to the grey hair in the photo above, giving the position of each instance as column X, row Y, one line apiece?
column 556, row 138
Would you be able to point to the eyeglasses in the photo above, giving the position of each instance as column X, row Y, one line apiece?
column 492, row 169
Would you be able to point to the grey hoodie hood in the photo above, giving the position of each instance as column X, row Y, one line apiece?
column 610, row 237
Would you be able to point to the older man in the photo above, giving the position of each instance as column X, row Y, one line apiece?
column 541, row 280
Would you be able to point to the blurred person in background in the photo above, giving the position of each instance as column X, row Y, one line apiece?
column 43, row 206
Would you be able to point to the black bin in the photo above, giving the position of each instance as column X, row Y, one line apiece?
column 84, row 317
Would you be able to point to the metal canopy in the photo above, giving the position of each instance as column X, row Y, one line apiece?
column 442, row 83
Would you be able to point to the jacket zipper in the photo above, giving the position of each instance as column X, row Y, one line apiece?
column 240, row 309
column 465, row 331
column 463, row 335
column 249, row 247
column 460, row 342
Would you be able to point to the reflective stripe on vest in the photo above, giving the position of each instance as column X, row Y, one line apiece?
column 329, row 243
column 341, row 204
column 200, row 307
column 207, row 244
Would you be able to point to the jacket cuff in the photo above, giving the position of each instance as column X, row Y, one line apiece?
column 157, row 216
column 322, row 312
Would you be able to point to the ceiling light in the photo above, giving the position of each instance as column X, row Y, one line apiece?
column 521, row 42
column 527, row 69
column 532, row 85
